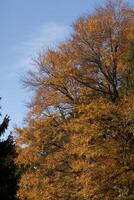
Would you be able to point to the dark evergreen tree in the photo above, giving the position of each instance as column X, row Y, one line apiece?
column 4, row 125
column 8, row 172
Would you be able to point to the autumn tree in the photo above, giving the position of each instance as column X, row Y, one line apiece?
column 78, row 138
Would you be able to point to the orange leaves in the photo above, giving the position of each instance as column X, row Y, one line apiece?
column 78, row 138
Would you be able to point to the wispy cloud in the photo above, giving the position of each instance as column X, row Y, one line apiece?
column 47, row 35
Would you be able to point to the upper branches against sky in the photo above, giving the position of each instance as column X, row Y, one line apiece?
column 78, row 139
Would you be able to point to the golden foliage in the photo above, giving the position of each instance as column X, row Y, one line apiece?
column 78, row 140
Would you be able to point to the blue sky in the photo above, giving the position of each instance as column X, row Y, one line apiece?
column 27, row 27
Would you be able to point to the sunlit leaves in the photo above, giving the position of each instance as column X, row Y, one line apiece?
column 78, row 140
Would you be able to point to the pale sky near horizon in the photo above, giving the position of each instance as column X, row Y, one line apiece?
column 27, row 27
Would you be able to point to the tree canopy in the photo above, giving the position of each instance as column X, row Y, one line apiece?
column 78, row 139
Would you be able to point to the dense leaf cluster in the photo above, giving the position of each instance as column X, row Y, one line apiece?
column 78, row 139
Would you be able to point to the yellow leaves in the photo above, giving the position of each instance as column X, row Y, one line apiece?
column 29, row 183
column 130, row 35
column 54, row 160
column 78, row 135
column 28, row 155
column 127, row 105
column 78, row 166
